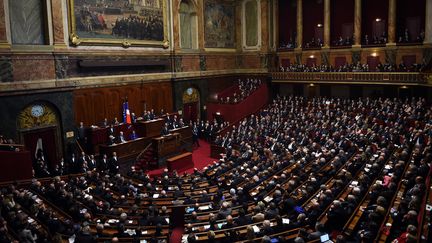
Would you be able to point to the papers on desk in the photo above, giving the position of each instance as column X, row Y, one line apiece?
column 206, row 227
column 354, row 183
column 38, row 200
column 143, row 241
column 130, row 221
column 113, row 221
column 167, row 220
column 268, row 199
column 144, row 232
column 189, row 210
column 255, row 229
column 170, row 188
column 220, row 225
column 140, row 185
column 285, row 221
column 155, row 195
column 130, row 232
column 30, row 220
column 203, row 207
column 387, row 167
column 254, row 193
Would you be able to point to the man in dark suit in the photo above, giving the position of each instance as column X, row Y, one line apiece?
column 82, row 136
column 113, row 165
column 133, row 136
column 152, row 115
column 103, row 163
column 92, row 163
column 165, row 130
column 195, row 136
column 73, row 164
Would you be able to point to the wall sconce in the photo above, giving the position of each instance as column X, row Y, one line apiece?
column 374, row 54
column 404, row 87
column 311, row 85
column 319, row 25
column 218, row 113
column 204, row 107
column 311, row 56
column 378, row 20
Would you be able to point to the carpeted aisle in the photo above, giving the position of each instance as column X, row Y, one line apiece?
column 200, row 157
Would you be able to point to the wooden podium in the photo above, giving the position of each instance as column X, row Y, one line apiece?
column 149, row 128
column 166, row 145
column 125, row 150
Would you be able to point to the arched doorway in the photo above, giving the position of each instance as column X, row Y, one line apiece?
column 40, row 121
column 191, row 105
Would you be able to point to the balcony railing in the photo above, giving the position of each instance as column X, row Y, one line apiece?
column 346, row 77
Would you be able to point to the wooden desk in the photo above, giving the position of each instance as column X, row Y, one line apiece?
column 125, row 150
column 180, row 162
column 99, row 135
column 15, row 165
column 166, row 145
column 149, row 128
column 185, row 133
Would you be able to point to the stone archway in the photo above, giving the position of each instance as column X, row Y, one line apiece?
column 41, row 120
column 191, row 105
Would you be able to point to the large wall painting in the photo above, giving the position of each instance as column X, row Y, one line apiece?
column 118, row 22
column 219, row 17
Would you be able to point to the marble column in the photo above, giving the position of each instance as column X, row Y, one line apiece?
column 326, row 23
column 428, row 25
column 357, row 22
column 391, row 32
column 3, row 35
column 57, row 23
column 299, row 24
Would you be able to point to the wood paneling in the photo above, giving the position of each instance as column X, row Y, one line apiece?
column 95, row 104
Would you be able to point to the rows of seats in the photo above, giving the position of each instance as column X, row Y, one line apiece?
column 299, row 169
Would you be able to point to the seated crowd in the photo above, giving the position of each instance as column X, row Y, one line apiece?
column 353, row 67
column 296, row 170
column 244, row 88
column 405, row 37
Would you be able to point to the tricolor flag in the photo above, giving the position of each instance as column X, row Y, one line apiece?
column 126, row 113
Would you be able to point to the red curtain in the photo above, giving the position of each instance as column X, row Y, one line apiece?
column 285, row 62
column 409, row 60
column 340, row 61
column 372, row 62
column 48, row 143
column 190, row 112
column 311, row 62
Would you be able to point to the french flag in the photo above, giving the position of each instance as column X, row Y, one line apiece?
column 126, row 113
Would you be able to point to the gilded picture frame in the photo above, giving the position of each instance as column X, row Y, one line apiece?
column 124, row 23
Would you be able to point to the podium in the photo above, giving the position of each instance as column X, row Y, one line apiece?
column 149, row 128
column 166, row 145
column 126, row 150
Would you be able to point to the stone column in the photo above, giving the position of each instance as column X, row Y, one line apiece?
column 391, row 33
column 357, row 22
column 57, row 23
column 428, row 24
column 326, row 23
column 3, row 35
column 299, row 23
